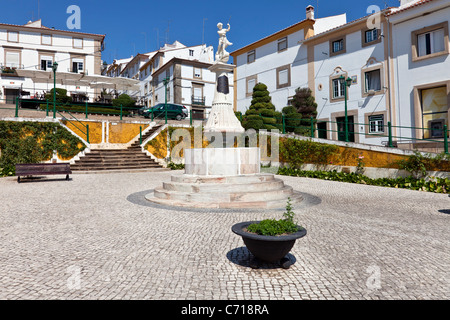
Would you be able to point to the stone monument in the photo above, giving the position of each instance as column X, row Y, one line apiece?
column 223, row 176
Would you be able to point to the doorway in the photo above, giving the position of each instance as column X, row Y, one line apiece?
column 322, row 130
column 341, row 128
column 11, row 95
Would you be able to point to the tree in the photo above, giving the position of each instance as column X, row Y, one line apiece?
column 262, row 113
column 61, row 96
column 124, row 100
column 305, row 103
column 298, row 116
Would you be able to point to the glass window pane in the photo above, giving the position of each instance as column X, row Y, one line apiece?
column 438, row 40
column 283, row 77
column 12, row 59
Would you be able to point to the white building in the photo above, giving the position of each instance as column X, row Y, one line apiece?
column 356, row 50
column 190, row 83
column 27, row 54
column 420, row 68
column 280, row 61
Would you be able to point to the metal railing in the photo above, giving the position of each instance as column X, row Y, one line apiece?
column 198, row 101
column 309, row 127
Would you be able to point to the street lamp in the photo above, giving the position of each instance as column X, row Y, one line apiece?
column 54, row 68
column 347, row 83
column 166, row 82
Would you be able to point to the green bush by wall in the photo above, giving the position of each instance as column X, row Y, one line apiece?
column 34, row 142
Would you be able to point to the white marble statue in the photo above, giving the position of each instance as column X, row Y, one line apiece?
column 222, row 55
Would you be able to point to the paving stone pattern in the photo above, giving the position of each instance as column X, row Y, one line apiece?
column 95, row 238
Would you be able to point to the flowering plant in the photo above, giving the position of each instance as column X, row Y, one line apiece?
column 361, row 164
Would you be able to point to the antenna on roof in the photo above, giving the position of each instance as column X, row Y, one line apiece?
column 203, row 33
column 39, row 9
column 168, row 31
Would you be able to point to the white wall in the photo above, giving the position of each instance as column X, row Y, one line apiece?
column 409, row 74
column 353, row 62
column 62, row 48
column 268, row 59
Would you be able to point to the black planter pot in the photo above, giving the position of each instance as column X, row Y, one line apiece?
column 267, row 248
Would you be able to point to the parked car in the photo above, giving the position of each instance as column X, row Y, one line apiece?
column 143, row 110
column 174, row 111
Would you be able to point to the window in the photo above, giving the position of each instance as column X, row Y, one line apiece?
column 197, row 73
column 283, row 77
column 13, row 36
column 338, row 88
column 282, row 44
column 373, row 81
column 12, row 59
column 78, row 43
column 371, row 35
column 251, row 83
column 434, row 111
column 251, row 56
column 376, row 124
column 46, row 39
column 46, row 63
column 191, row 53
column 77, row 65
column 430, row 42
column 338, row 45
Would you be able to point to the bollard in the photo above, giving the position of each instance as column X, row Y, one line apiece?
column 391, row 144
column 446, row 139
column 17, row 107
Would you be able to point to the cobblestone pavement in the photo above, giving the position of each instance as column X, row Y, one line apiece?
column 94, row 237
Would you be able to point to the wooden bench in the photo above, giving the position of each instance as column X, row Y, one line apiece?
column 45, row 169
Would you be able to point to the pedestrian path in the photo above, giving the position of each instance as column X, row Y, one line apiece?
column 95, row 237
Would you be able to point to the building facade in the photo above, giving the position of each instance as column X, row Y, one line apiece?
column 421, row 64
column 396, row 62
column 279, row 61
column 182, row 73
column 27, row 55
column 358, row 51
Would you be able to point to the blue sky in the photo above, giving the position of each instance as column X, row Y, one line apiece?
column 136, row 26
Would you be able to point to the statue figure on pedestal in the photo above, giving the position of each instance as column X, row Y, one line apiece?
column 222, row 55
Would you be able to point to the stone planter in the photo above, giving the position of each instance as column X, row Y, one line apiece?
column 268, row 248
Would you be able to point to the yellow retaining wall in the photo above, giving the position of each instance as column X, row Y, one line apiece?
column 123, row 133
column 119, row 132
column 346, row 156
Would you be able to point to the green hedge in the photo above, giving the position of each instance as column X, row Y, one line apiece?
column 436, row 185
column 34, row 142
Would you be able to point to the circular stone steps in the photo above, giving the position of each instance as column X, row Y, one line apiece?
column 260, row 191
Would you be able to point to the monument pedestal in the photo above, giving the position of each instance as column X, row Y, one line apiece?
column 224, row 177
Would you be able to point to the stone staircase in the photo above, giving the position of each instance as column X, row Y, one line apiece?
column 131, row 158
column 260, row 191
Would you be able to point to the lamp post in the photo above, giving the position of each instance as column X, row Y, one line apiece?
column 166, row 82
column 54, row 68
column 347, row 83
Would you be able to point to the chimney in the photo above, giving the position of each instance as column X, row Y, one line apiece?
column 310, row 12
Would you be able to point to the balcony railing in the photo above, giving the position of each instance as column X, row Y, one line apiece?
column 198, row 101
column 10, row 69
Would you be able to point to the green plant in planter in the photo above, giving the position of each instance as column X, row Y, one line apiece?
column 272, row 227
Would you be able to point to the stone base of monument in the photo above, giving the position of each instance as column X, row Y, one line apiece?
column 224, row 179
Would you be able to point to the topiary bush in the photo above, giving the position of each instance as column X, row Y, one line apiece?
column 261, row 114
